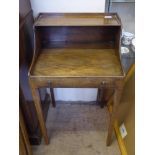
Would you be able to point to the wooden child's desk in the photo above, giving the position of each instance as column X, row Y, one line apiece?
column 78, row 51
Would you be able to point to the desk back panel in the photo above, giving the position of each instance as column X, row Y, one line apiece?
column 77, row 37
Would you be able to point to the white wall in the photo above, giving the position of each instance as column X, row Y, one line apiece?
column 61, row 6
column 67, row 6
column 78, row 94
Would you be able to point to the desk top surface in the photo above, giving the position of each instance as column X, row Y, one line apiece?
column 77, row 63
column 78, row 19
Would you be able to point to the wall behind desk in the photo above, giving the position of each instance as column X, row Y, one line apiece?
column 67, row 6
column 70, row 6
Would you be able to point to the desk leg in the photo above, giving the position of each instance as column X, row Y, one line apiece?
column 113, row 116
column 100, row 97
column 37, row 102
column 52, row 95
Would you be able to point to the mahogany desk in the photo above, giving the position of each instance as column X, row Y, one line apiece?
column 78, row 51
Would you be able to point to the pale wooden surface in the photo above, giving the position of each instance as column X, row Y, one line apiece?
column 76, row 20
column 77, row 63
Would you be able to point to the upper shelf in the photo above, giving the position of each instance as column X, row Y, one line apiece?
column 78, row 19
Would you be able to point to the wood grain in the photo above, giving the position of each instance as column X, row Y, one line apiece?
column 74, row 19
column 37, row 103
column 77, row 36
column 77, row 63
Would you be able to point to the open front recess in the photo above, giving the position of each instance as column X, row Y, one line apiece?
column 78, row 37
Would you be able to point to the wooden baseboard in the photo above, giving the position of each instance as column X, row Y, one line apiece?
column 118, row 135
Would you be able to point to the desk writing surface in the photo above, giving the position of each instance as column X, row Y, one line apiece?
column 80, row 19
column 77, row 63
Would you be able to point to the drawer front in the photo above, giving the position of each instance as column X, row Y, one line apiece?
column 73, row 82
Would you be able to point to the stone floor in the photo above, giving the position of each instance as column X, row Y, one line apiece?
column 77, row 129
